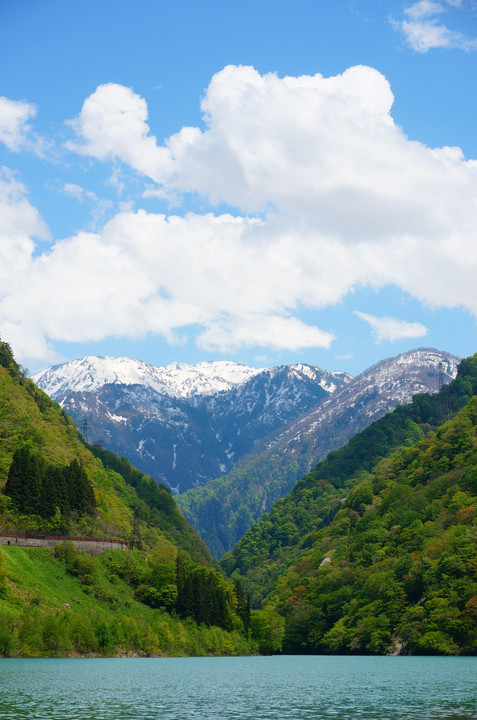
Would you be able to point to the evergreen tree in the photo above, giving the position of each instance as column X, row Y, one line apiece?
column 185, row 598
column 25, row 479
column 79, row 489
column 49, row 496
column 32, row 484
column 243, row 605
column 39, row 489
column 16, row 473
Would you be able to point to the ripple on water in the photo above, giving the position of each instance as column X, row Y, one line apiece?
column 272, row 688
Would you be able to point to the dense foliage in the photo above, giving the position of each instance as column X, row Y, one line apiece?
column 396, row 569
column 37, row 487
column 153, row 602
column 65, row 602
column 284, row 534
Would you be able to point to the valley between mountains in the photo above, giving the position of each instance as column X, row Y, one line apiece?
column 230, row 440
column 372, row 551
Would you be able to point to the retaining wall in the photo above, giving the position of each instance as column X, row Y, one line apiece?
column 94, row 546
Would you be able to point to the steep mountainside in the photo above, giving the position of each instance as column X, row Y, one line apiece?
column 286, row 534
column 395, row 571
column 183, row 424
column 224, row 508
column 34, row 430
column 150, row 599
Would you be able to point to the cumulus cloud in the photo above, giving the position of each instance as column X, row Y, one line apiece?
column 113, row 124
column 145, row 273
column 256, row 330
column 15, row 129
column 328, row 194
column 423, row 31
column 389, row 328
column 323, row 150
column 20, row 224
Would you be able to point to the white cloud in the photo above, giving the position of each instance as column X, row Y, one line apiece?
column 79, row 193
column 306, row 146
column 15, row 130
column 389, row 328
column 423, row 31
column 112, row 124
column 344, row 199
column 255, row 330
column 424, row 9
column 20, row 222
column 147, row 273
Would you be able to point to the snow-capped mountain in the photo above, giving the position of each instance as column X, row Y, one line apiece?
column 177, row 380
column 366, row 398
column 232, row 503
column 183, row 424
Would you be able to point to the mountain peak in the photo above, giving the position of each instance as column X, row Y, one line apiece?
column 177, row 380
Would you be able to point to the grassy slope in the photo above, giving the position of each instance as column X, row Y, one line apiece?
column 46, row 610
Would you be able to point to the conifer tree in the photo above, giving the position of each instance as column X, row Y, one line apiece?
column 25, row 478
column 49, row 496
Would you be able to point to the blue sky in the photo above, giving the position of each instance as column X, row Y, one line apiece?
column 266, row 181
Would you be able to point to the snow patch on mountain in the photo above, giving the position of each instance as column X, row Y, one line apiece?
column 184, row 424
column 177, row 380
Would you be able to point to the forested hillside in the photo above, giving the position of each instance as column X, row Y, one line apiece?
column 396, row 569
column 168, row 598
column 50, row 475
column 288, row 531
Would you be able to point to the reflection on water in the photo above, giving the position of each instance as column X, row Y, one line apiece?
column 273, row 688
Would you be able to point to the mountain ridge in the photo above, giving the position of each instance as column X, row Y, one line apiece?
column 197, row 427
column 175, row 379
column 164, row 596
column 223, row 508
column 374, row 551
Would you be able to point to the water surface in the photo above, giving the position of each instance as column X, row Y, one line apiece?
column 256, row 688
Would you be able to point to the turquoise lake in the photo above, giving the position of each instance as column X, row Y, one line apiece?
column 272, row 688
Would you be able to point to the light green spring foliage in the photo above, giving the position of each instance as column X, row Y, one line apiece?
column 67, row 603
column 284, row 534
column 396, row 569
column 167, row 600
column 30, row 419
column 3, row 575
